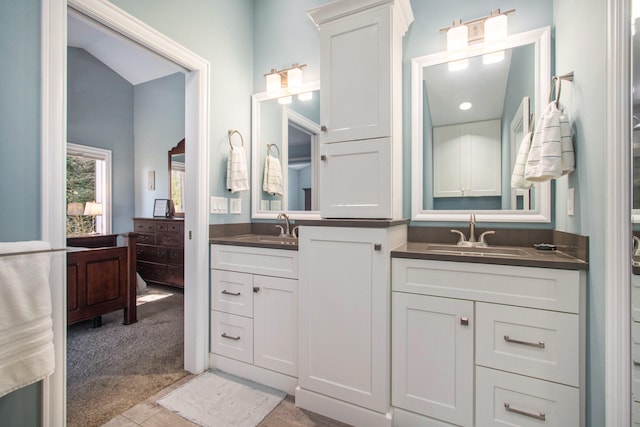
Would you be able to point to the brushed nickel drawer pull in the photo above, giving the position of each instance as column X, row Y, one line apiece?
column 226, row 292
column 323, row 157
column 323, row 128
column 377, row 246
column 538, row 416
column 256, row 289
column 539, row 344
column 464, row 321
column 224, row 335
column 636, row 363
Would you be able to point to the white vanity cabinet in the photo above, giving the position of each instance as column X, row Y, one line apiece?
column 254, row 314
column 506, row 340
column 361, row 106
column 467, row 160
column 344, row 309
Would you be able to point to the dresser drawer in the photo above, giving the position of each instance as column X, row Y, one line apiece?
column 144, row 226
column 503, row 399
column 151, row 253
column 232, row 336
column 147, row 238
column 175, row 256
column 169, row 239
column 173, row 227
column 152, row 271
column 175, row 275
column 538, row 343
column 232, row 292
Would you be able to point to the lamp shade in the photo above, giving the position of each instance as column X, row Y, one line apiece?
column 495, row 32
column 93, row 208
column 273, row 83
column 75, row 208
column 294, row 79
column 457, row 41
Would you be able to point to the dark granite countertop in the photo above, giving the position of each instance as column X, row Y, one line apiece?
column 256, row 241
column 527, row 257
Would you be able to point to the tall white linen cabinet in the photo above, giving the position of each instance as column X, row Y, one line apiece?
column 345, row 269
column 361, row 107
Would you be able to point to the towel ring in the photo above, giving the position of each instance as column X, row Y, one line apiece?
column 276, row 147
column 558, row 80
column 231, row 132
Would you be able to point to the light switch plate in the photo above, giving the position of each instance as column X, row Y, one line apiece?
column 218, row 205
column 570, row 202
column 235, row 205
column 264, row 205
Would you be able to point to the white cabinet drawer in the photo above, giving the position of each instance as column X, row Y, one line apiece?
column 232, row 336
column 544, row 288
column 508, row 399
column 246, row 259
column 232, row 292
column 538, row 343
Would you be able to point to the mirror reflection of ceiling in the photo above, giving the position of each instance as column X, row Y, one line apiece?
column 131, row 61
column 484, row 86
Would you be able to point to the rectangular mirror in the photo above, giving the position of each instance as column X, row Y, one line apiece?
column 467, row 126
column 288, row 132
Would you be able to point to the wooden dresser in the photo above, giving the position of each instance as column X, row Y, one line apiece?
column 160, row 250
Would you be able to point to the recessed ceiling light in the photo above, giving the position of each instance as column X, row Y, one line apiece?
column 465, row 106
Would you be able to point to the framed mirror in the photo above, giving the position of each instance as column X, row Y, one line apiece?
column 285, row 134
column 463, row 154
column 176, row 178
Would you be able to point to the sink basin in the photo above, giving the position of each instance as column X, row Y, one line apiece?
column 475, row 251
column 268, row 239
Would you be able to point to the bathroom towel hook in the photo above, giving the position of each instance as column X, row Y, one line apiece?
column 276, row 147
column 557, row 80
column 231, row 132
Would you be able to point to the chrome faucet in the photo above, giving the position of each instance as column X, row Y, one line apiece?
column 472, row 242
column 284, row 232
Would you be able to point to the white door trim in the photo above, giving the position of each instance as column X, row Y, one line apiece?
column 618, row 217
column 53, row 141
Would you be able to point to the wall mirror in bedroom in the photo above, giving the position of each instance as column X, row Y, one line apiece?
column 467, row 126
column 286, row 129
column 176, row 178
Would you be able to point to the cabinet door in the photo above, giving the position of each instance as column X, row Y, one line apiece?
column 275, row 324
column 344, row 312
column 432, row 353
column 355, row 101
column 355, row 179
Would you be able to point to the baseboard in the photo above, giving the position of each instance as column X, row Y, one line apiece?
column 254, row 373
column 341, row 411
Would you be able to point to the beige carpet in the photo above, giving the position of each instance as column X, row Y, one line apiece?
column 112, row 368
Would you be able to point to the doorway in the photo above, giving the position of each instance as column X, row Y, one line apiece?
column 54, row 45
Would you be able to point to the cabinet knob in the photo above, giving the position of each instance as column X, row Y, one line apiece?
column 464, row 321
column 256, row 289
column 377, row 246
column 323, row 128
column 323, row 157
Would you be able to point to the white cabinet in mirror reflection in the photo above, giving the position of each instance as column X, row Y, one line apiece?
column 467, row 160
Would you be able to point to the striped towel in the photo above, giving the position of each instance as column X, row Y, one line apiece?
column 237, row 175
column 517, row 178
column 272, row 182
column 551, row 154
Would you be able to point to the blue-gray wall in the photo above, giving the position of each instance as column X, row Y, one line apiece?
column 100, row 114
column 159, row 126
column 20, row 158
column 220, row 31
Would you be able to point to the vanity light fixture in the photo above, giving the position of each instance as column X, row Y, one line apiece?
column 492, row 30
column 285, row 81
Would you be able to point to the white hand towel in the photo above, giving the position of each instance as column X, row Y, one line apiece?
column 26, row 335
column 237, row 175
column 568, row 159
column 517, row 178
column 272, row 181
column 545, row 160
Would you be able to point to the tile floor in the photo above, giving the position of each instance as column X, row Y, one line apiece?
column 150, row 414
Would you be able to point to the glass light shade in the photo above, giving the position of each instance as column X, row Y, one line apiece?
column 93, row 208
column 495, row 32
column 457, row 39
column 285, row 100
column 294, row 79
column 273, row 84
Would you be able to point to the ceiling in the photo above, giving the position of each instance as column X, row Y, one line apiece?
column 482, row 85
column 131, row 61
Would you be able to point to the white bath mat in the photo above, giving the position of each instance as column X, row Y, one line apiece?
column 217, row 399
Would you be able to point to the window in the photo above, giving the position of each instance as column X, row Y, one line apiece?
column 88, row 190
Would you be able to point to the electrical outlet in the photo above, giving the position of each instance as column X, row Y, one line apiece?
column 218, row 205
column 235, row 205
column 570, row 202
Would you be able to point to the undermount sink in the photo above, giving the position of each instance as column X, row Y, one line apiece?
column 282, row 240
column 475, row 251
